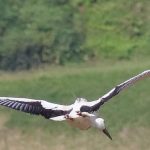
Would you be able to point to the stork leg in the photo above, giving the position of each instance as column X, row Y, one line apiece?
column 83, row 114
column 68, row 117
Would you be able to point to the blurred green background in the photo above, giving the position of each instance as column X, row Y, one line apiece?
column 59, row 50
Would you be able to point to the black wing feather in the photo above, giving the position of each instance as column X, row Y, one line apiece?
column 34, row 108
column 95, row 105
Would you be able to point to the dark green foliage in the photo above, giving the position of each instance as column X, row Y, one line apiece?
column 35, row 32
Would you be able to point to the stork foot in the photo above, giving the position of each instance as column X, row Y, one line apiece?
column 82, row 114
column 68, row 117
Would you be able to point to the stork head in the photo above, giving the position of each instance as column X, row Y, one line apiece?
column 100, row 124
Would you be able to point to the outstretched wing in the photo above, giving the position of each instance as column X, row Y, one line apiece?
column 95, row 105
column 36, row 107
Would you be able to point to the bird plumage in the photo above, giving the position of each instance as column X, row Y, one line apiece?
column 36, row 107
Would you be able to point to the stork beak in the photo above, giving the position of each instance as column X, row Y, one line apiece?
column 105, row 131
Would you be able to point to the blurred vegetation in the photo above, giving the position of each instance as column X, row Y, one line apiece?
column 112, row 35
column 119, row 29
column 35, row 32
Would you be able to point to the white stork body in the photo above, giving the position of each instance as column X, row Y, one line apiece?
column 80, row 114
column 82, row 123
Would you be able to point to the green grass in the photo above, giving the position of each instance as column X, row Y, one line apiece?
column 64, row 85
column 126, row 115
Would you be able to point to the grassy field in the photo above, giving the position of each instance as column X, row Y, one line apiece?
column 127, row 115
